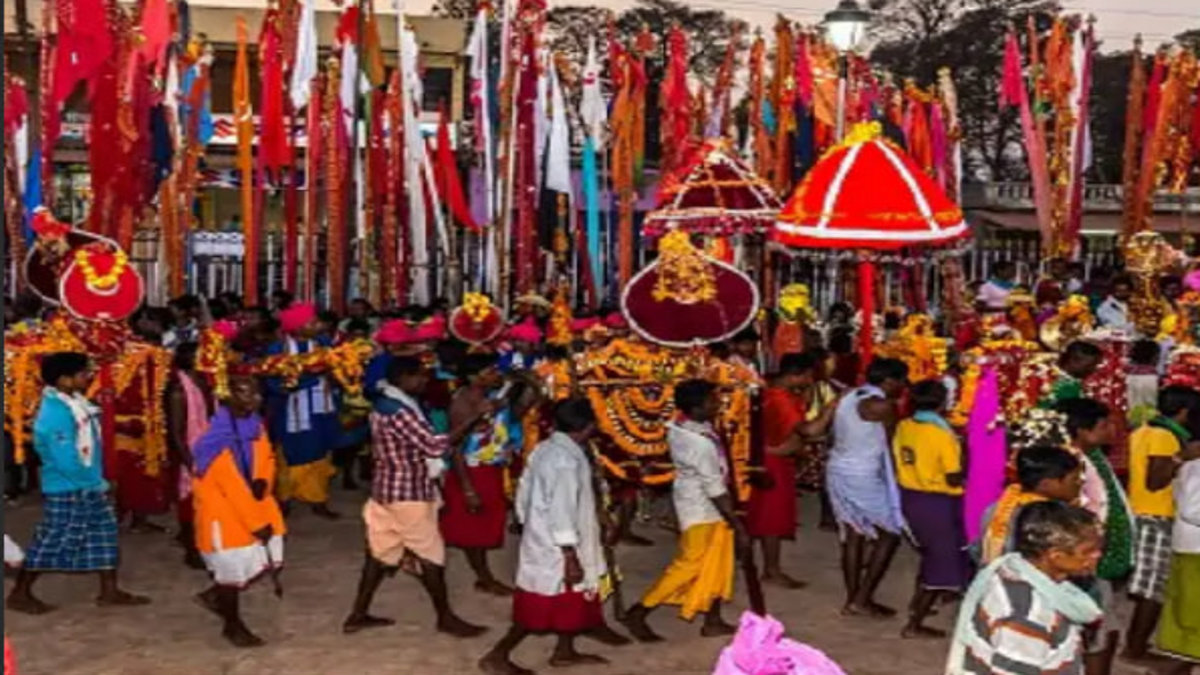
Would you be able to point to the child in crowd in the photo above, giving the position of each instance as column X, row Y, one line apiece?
column 1044, row 473
column 929, row 470
column 1022, row 614
column 78, row 532
column 1141, row 381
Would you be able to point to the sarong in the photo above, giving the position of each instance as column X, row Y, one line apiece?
column 463, row 529
column 701, row 572
column 307, row 482
column 239, row 567
column 78, row 533
column 1179, row 627
column 570, row 613
column 935, row 521
column 395, row 528
column 772, row 511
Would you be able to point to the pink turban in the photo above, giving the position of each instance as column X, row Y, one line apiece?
column 432, row 329
column 297, row 316
column 526, row 331
column 1192, row 280
column 395, row 332
column 581, row 325
column 225, row 328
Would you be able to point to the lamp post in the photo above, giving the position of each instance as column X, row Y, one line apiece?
column 845, row 25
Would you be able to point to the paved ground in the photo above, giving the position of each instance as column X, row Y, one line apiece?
column 173, row 636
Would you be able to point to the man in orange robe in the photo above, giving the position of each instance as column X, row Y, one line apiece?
column 239, row 527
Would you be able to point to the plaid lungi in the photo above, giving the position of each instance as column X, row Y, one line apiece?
column 78, row 533
column 1152, row 558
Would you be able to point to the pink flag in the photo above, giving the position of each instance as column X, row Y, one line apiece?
column 987, row 460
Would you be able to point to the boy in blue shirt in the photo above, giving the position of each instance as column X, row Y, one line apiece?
column 78, row 532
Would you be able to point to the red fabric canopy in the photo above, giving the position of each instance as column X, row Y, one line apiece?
column 716, row 194
column 868, row 194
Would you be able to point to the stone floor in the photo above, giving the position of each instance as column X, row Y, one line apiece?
column 173, row 636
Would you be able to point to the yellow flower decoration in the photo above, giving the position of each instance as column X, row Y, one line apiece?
column 795, row 303
column 477, row 306
column 684, row 274
column 83, row 259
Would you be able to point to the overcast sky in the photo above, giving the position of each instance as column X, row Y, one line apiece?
column 1116, row 20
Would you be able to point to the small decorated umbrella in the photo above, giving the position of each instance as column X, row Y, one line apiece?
column 868, row 194
column 718, row 195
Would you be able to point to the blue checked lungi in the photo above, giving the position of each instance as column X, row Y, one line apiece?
column 78, row 533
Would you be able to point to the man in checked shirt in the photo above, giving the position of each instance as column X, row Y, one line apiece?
column 402, row 513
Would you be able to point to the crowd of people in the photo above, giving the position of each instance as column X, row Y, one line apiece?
column 460, row 442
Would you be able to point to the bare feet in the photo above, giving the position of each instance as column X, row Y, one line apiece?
column 27, row 604
column 493, row 587
column 498, row 664
column 605, row 635
column 355, row 623
column 782, row 581
column 240, row 636
column 881, row 610
column 574, row 658
column 635, row 621
column 325, row 512
column 119, row 598
column 912, row 632
column 717, row 628
column 455, row 627
column 855, row 609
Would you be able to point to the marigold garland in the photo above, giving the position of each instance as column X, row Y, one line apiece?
column 83, row 260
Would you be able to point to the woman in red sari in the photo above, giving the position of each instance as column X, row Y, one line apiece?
column 771, row 517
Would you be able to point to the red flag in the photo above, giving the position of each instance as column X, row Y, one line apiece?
column 275, row 151
column 84, row 43
column 1011, row 82
column 449, row 182
column 676, row 103
column 156, row 31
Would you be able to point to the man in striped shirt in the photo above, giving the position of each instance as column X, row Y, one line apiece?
column 1022, row 615
column 401, row 515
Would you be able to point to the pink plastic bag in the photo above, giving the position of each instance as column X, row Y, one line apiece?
column 759, row 648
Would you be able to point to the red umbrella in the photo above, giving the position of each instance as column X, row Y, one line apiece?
column 868, row 194
column 716, row 194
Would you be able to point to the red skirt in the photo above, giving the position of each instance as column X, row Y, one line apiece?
column 571, row 612
column 463, row 529
column 772, row 511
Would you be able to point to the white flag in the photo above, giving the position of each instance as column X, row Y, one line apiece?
column 477, row 50
column 592, row 109
column 558, row 150
column 304, row 67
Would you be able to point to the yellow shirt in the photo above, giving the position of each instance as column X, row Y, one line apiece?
column 1145, row 443
column 925, row 454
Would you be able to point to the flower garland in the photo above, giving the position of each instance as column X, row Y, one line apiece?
column 477, row 306
column 685, row 275
column 345, row 363
column 96, row 280
column 212, row 360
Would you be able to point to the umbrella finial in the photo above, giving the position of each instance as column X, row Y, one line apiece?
column 863, row 132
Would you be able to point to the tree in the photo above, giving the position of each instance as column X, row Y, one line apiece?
column 920, row 36
column 457, row 9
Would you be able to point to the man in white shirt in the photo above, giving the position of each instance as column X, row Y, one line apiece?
column 701, row 575
column 993, row 295
column 560, row 564
column 1114, row 311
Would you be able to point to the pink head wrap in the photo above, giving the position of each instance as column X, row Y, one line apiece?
column 581, row 325
column 1192, row 280
column 432, row 329
column 225, row 328
column 296, row 317
column 526, row 331
column 395, row 332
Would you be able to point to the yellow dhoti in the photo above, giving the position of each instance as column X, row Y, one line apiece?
column 306, row 482
column 701, row 572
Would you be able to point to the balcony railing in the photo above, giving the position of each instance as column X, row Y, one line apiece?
column 1098, row 198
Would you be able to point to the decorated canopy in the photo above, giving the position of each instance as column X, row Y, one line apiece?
column 867, row 193
column 687, row 298
column 718, row 194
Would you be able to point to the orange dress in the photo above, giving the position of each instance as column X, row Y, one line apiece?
column 228, row 515
column 772, row 511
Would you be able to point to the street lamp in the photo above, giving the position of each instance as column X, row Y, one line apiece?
column 846, row 25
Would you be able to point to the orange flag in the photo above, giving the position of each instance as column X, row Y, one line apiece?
column 243, row 119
